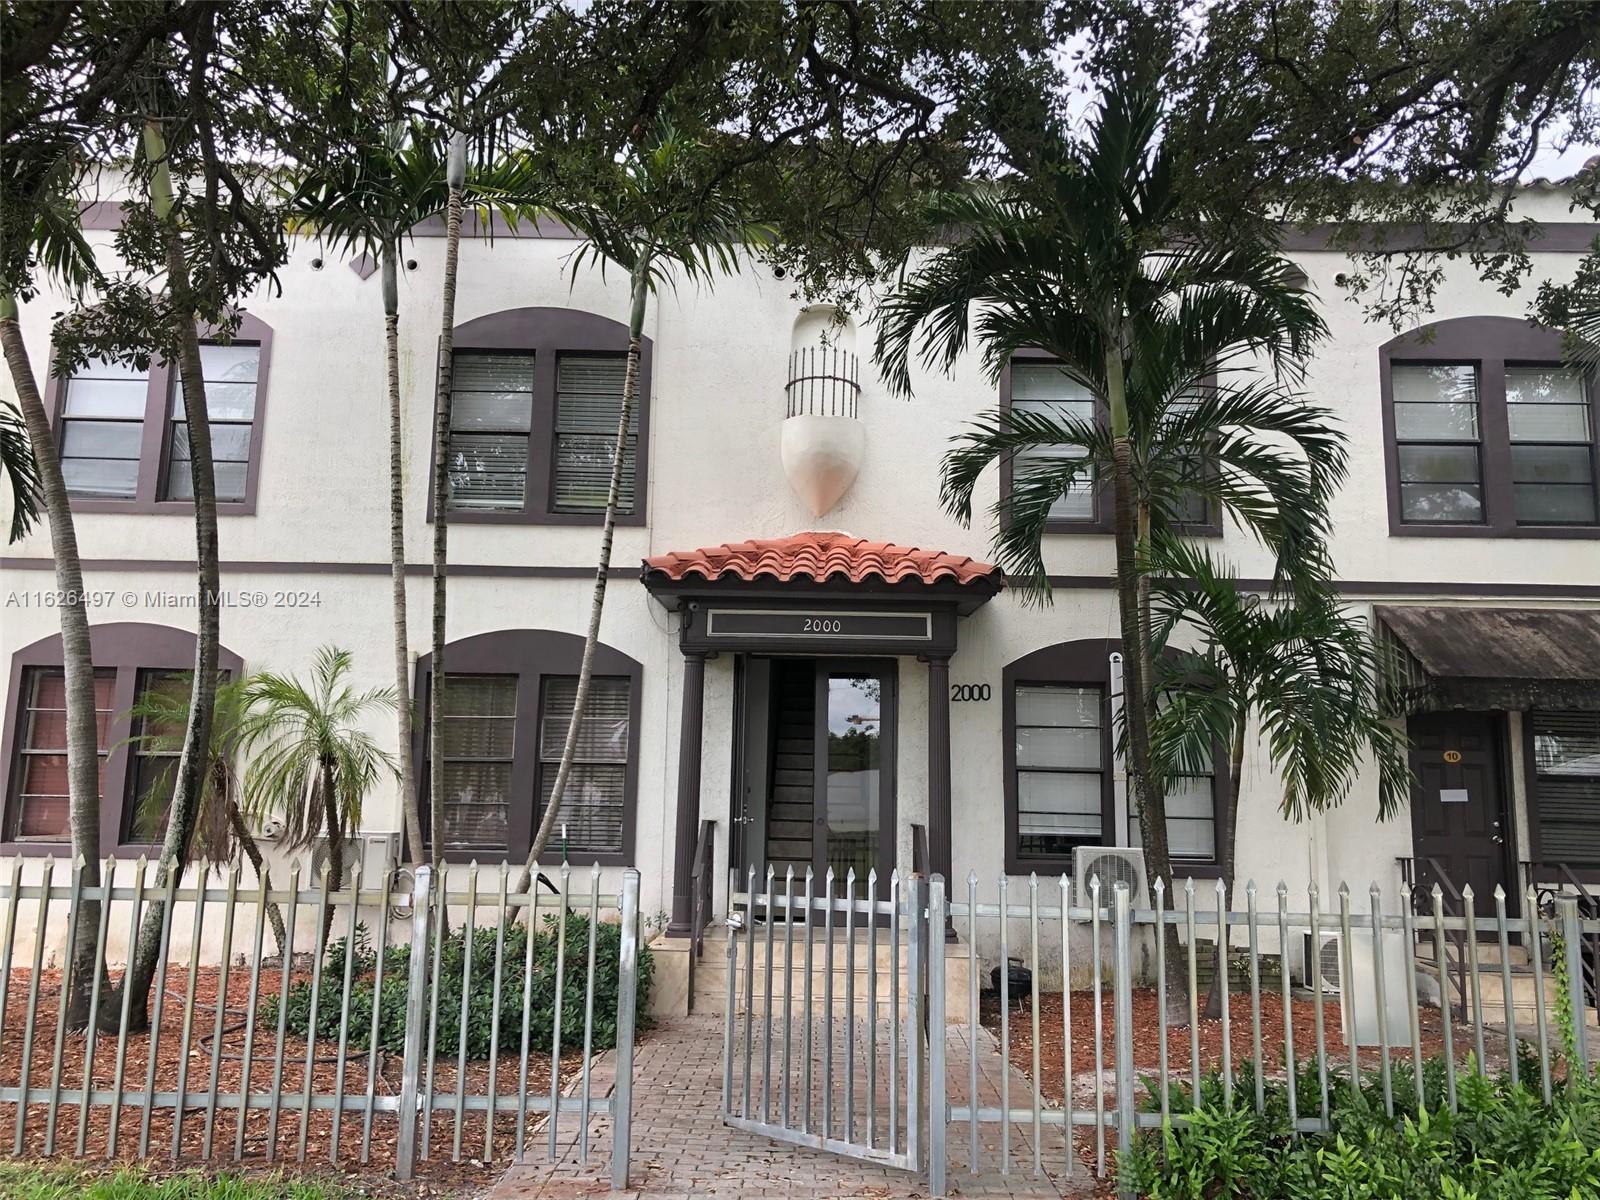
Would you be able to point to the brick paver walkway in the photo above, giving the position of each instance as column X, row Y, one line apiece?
column 681, row 1148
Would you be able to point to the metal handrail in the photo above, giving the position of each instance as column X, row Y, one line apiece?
column 1456, row 937
column 700, row 889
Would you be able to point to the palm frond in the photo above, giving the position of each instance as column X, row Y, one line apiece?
column 298, row 733
column 16, row 461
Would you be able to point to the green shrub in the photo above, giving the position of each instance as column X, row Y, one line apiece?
column 480, row 998
column 1503, row 1143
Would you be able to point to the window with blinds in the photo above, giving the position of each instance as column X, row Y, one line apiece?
column 1552, row 447
column 155, row 757
column 491, row 416
column 102, row 431
column 1060, row 767
column 1044, row 388
column 230, row 374
column 1191, row 818
column 1188, row 504
column 43, row 796
column 1566, row 759
column 588, row 403
column 593, row 807
column 478, row 736
column 1439, row 442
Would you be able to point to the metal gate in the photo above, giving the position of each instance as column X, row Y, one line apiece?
column 824, row 1037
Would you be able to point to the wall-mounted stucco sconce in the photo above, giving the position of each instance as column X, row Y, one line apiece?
column 823, row 441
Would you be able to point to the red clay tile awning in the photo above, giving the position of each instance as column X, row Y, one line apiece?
column 818, row 558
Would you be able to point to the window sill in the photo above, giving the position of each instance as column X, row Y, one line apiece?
column 62, row 851
column 180, row 508
column 1050, row 867
column 1081, row 529
column 1507, row 532
column 590, row 520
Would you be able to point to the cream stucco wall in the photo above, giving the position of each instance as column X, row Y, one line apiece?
column 321, row 529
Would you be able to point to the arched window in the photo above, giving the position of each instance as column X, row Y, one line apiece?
column 508, row 703
column 1487, row 433
column 536, row 395
column 124, row 441
column 1060, row 787
column 129, row 658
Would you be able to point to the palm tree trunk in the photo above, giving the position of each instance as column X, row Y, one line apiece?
column 334, row 828
column 252, row 851
column 193, row 759
column 569, row 749
column 83, row 756
column 397, row 557
column 441, row 495
column 1227, row 838
column 1144, row 782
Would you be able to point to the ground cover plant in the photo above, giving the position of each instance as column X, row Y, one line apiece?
column 1502, row 1142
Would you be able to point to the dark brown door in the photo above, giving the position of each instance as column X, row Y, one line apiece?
column 1458, row 814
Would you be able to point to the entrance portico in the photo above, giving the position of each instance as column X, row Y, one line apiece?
column 818, row 623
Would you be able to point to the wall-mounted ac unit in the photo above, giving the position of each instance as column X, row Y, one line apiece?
column 376, row 852
column 1329, row 958
column 1111, row 865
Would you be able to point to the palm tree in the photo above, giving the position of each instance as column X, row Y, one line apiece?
column 64, row 256
column 312, row 764
column 221, row 833
column 1091, row 259
column 370, row 204
column 653, row 215
column 1304, row 670
column 455, row 179
column 190, row 775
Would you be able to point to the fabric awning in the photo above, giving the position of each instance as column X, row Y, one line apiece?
column 1494, row 658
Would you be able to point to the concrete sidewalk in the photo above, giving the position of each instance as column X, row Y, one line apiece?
column 681, row 1148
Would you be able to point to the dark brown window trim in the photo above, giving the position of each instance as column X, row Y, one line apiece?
column 1083, row 663
column 148, row 491
column 1489, row 344
column 1103, row 500
column 532, row 655
column 548, row 333
column 128, row 647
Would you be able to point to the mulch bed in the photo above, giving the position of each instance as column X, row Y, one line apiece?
column 261, row 1147
column 1147, row 1037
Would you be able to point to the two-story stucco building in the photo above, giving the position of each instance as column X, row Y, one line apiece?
column 799, row 644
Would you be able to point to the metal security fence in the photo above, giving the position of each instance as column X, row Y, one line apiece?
column 1054, row 1026
column 434, row 1023
column 1357, row 1009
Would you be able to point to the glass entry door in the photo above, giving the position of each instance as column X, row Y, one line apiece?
column 815, row 738
column 854, row 826
column 852, row 743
